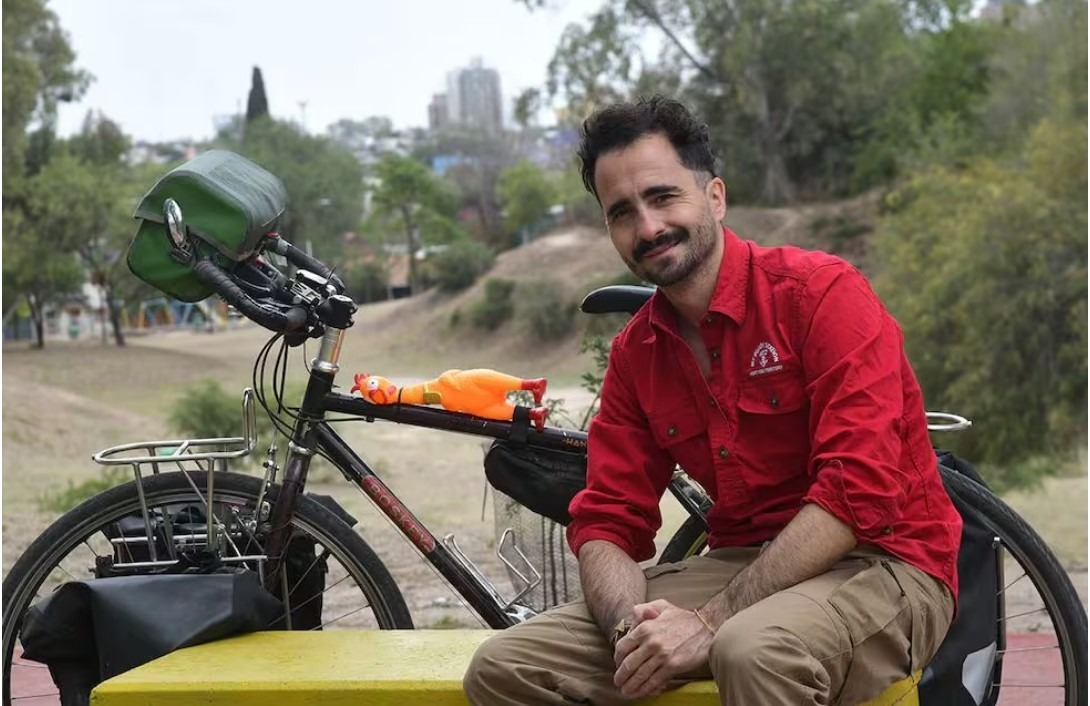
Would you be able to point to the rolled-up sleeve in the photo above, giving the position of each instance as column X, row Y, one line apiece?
column 627, row 472
column 853, row 356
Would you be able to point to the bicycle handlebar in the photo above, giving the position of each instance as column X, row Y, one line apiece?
column 293, row 319
column 302, row 260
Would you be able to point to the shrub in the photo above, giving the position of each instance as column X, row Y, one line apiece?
column 206, row 410
column 75, row 493
column 491, row 312
column 459, row 266
column 367, row 282
column 546, row 310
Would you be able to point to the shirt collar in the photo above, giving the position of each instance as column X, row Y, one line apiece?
column 731, row 288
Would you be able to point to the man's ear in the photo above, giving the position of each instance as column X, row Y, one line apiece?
column 716, row 191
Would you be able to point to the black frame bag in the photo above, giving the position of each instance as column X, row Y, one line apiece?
column 544, row 481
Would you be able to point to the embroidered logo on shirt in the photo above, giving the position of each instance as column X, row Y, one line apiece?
column 765, row 360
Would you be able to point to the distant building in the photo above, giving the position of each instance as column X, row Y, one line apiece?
column 438, row 112
column 474, row 98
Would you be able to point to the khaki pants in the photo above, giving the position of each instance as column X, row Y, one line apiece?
column 838, row 638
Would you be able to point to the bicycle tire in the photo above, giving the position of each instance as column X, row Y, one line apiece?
column 690, row 539
column 1054, row 586
column 46, row 553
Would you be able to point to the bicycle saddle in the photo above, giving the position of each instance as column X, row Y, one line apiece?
column 616, row 299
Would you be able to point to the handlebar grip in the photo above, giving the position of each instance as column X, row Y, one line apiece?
column 303, row 261
column 210, row 273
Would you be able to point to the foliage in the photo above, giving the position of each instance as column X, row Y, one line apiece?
column 479, row 159
column 324, row 183
column 580, row 206
column 257, row 104
column 367, row 281
column 527, row 194
column 459, row 266
column 985, row 268
column 206, row 410
column 412, row 200
column 39, row 72
column 802, row 98
column 496, row 307
column 62, row 501
column 598, row 347
column 545, row 309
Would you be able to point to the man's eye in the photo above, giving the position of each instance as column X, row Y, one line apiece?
column 663, row 198
column 619, row 214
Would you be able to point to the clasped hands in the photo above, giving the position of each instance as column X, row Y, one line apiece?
column 666, row 641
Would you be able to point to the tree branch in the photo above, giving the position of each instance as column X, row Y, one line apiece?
column 652, row 15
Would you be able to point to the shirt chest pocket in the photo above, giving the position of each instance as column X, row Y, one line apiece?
column 773, row 419
column 682, row 433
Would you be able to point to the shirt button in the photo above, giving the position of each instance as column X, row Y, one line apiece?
column 672, row 431
column 713, row 402
column 774, row 401
column 887, row 530
column 708, row 320
column 723, row 453
column 715, row 354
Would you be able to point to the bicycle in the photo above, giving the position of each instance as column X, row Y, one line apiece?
column 147, row 525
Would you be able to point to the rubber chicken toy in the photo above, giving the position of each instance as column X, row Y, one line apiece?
column 481, row 392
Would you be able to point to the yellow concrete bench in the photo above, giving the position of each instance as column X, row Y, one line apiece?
column 334, row 668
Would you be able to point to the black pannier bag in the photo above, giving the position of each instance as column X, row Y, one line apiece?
column 89, row 631
column 965, row 667
column 542, row 480
column 306, row 569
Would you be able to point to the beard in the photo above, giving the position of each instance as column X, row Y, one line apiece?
column 691, row 248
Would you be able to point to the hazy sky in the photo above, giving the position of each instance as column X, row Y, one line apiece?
column 164, row 68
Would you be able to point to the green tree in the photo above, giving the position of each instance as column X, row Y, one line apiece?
column 39, row 72
column 323, row 181
column 527, row 193
column 481, row 158
column 985, row 268
column 83, row 209
column 38, row 269
column 410, row 198
column 257, row 105
column 792, row 91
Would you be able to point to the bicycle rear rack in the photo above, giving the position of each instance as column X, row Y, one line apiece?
column 206, row 454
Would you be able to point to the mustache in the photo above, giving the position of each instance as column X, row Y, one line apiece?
column 670, row 237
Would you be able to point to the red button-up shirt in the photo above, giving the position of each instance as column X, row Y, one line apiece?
column 810, row 400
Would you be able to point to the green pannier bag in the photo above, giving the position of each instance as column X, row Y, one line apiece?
column 228, row 203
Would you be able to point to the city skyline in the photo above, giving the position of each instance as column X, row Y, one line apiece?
column 381, row 60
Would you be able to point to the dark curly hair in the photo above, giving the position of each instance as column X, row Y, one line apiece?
column 619, row 125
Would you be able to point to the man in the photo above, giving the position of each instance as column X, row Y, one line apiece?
column 775, row 377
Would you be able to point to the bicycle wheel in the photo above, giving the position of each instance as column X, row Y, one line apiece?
column 689, row 540
column 357, row 592
column 1044, row 622
column 1044, row 629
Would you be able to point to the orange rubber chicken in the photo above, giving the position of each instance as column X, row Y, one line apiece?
column 480, row 392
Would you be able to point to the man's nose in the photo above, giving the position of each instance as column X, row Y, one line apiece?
column 648, row 225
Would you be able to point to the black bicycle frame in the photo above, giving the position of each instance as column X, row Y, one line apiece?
column 312, row 432
column 358, row 472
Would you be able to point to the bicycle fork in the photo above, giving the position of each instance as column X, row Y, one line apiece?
column 301, row 451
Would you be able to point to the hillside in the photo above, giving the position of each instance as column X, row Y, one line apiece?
column 433, row 325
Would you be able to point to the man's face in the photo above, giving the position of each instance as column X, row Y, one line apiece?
column 661, row 219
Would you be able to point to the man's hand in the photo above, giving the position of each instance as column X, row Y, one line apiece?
column 667, row 641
